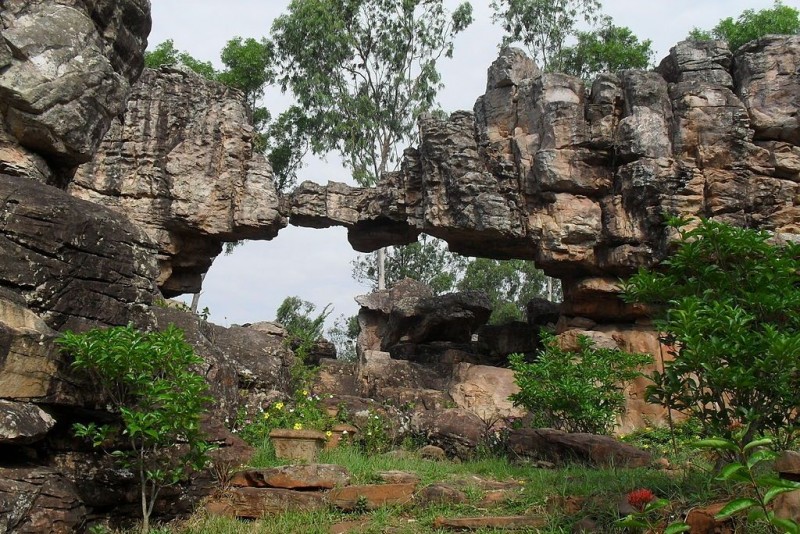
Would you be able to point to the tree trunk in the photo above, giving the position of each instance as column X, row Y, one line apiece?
column 381, row 268
column 196, row 296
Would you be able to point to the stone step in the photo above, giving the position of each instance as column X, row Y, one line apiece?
column 253, row 503
column 307, row 477
column 511, row 522
column 372, row 496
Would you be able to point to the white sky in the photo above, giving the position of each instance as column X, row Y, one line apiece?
column 249, row 285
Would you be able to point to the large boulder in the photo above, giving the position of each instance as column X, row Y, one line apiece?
column 72, row 261
column 38, row 499
column 67, row 70
column 181, row 165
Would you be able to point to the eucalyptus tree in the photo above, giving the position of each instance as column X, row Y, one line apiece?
column 363, row 71
column 544, row 26
column 608, row 48
column 752, row 24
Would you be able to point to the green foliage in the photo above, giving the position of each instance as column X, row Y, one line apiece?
column 373, row 437
column 165, row 54
column 752, row 24
column 148, row 381
column 343, row 334
column 730, row 302
column 248, row 67
column 427, row 261
column 544, row 26
column 763, row 487
column 578, row 391
column 295, row 314
column 363, row 70
column 663, row 440
column 303, row 412
column 510, row 285
column 287, row 143
column 608, row 49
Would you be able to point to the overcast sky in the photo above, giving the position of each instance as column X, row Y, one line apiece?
column 248, row 285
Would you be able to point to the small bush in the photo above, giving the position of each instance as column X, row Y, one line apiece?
column 731, row 313
column 148, row 381
column 304, row 411
column 575, row 391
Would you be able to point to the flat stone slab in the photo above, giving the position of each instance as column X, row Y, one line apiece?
column 253, row 503
column 22, row 423
column 510, row 522
column 312, row 476
column 373, row 495
column 398, row 477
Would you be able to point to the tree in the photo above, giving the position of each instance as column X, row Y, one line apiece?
column 248, row 65
column 729, row 303
column 608, row 49
column 295, row 314
column 165, row 54
column 148, row 382
column 543, row 26
column 751, row 25
column 510, row 285
column 363, row 71
column 427, row 261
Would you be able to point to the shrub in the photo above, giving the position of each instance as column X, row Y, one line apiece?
column 304, row 411
column 147, row 380
column 575, row 391
column 731, row 313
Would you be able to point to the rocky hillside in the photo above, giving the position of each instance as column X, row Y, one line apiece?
column 120, row 187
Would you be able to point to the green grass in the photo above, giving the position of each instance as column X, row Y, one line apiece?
column 600, row 489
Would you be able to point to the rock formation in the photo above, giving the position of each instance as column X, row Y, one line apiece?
column 580, row 181
column 181, row 165
column 67, row 68
column 542, row 169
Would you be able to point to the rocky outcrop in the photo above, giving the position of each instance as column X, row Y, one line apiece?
column 181, row 165
column 73, row 261
column 67, row 68
column 579, row 179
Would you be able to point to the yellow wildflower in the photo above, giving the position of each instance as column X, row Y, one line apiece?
column 279, row 406
column 305, row 393
column 298, row 426
column 329, row 433
column 266, row 415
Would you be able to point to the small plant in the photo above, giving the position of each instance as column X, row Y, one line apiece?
column 763, row 487
column 148, row 382
column 374, row 437
column 304, row 411
column 649, row 513
column 578, row 391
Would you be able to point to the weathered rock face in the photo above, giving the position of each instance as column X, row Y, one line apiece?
column 181, row 165
column 67, row 67
column 579, row 180
column 71, row 260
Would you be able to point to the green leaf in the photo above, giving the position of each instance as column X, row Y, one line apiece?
column 774, row 492
column 631, row 521
column 734, row 471
column 715, row 443
column 787, row 525
column 734, row 507
column 763, row 442
column 674, row 528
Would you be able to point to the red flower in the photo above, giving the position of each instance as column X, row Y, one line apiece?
column 640, row 497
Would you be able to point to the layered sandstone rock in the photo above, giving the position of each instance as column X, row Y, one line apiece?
column 67, row 68
column 181, row 165
column 579, row 179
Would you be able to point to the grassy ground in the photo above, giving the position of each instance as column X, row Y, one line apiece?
column 541, row 492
